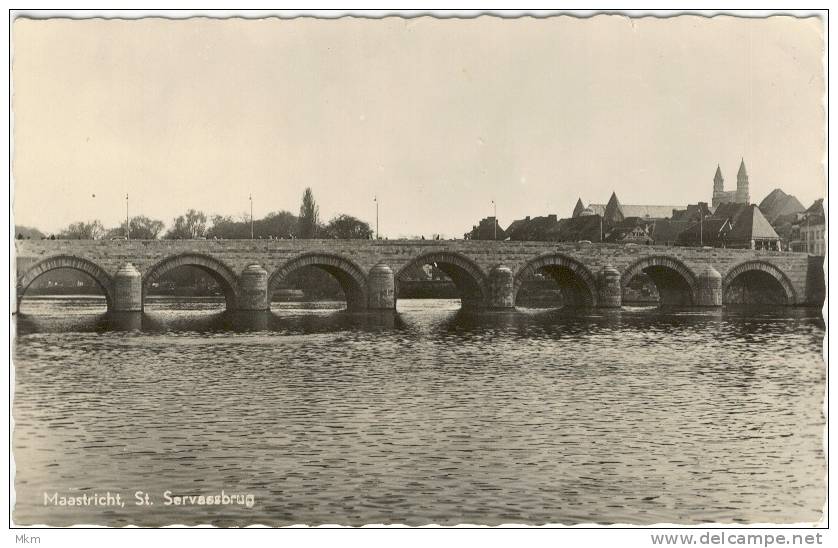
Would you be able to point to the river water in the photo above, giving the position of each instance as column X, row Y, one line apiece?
column 639, row 416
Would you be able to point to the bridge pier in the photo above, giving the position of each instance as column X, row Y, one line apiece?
column 127, row 290
column 253, row 289
column 381, row 288
column 709, row 288
column 609, row 288
column 501, row 287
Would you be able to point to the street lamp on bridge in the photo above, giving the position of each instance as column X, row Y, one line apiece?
column 250, row 197
column 495, row 218
column 375, row 199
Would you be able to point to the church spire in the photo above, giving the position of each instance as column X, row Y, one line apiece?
column 743, row 194
column 578, row 209
column 743, row 173
column 614, row 211
column 718, row 180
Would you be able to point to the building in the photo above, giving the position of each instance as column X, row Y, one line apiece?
column 614, row 212
column 632, row 230
column 666, row 231
column 487, row 229
column 707, row 232
column 748, row 227
column 808, row 233
column 693, row 213
column 742, row 193
column 552, row 229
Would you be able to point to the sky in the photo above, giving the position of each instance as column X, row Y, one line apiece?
column 435, row 117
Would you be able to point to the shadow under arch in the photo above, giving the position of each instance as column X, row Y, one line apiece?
column 99, row 274
column 675, row 281
column 351, row 277
column 466, row 275
column 219, row 271
column 575, row 280
column 757, row 282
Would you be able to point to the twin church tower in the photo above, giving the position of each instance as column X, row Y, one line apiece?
column 740, row 196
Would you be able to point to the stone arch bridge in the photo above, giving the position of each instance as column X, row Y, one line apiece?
column 488, row 274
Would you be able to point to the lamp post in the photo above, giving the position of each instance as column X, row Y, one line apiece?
column 700, row 227
column 375, row 199
column 600, row 229
column 250, row 197
column 495, row 219
column 127, row 220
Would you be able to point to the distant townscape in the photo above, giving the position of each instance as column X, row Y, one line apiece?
column 779, row 222
column 729, row 220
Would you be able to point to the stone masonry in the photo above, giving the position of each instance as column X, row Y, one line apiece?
column 488, row 273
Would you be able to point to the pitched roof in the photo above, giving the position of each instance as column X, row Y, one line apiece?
column 666, row 231
column 692, row 213
column 817, row 207
column 751, row 224
column 515, row 226
column 613, row 211
column 729, row 210
column 535, row 228
column 711, row 232
column 778, row 204
column 586, row 227
column 642, row 211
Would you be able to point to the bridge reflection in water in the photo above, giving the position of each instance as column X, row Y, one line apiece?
column 200, row 316
column 514, row 412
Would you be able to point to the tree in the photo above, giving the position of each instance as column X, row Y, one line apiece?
column 280, row 224
column 142, row 228
column 308, row 223
column 92, row 230
column 347, row 227
column 28, row 232
column 190, row 226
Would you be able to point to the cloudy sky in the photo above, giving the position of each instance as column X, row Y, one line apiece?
column 435, row 117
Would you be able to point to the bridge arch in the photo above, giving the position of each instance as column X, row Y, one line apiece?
column 466, row 275
column 99, row 274
column 577, row 283
column 757, row 282
column 351, row 277
column 218, row 270
column 676, row 282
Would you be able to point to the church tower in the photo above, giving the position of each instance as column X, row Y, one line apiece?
column 718, row 187
column 718, row 181
column 743, row 195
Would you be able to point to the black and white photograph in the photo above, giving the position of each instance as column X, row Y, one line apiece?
column 401, row 269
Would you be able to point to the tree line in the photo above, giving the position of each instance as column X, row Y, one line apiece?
column 195, row 225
